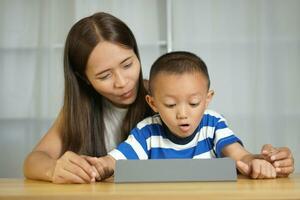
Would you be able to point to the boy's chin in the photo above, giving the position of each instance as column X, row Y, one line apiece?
column 183, row 134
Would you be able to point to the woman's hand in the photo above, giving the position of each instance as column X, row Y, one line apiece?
column 72, row 168
column 104, row 165
column 281, row 158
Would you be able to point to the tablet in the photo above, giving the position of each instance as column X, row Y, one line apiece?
column 175, row 170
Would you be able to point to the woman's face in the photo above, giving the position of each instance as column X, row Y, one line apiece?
column 113, row 71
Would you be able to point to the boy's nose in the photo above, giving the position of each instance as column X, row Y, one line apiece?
column 181, row 113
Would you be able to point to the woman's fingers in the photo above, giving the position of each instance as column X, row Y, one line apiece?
column 276, row 153
column 96, row 172
column 78, row 171
column 82, row 163
column 281, row 158
column 280, row 154
column 98, row 167
column 61, row 175
column 72, row 168
column 102, row 167
column 284, row 163
column 267, row 149
column 284, row 171
column 68, row 177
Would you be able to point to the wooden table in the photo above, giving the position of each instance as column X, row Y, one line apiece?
column 281, row 188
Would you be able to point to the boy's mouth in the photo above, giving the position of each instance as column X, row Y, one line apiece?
column 184, row 127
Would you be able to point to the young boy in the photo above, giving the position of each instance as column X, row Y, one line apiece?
column 183, row 128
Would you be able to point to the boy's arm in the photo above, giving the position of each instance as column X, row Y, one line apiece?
column 249, row 164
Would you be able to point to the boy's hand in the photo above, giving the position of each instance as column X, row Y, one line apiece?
column 281, row 158
column 103, row 165
column 257, row 169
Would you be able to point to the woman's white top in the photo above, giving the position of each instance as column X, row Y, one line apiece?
column 113, row 119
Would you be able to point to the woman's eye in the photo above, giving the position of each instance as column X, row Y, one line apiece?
column 106, row 76
column 128, row 65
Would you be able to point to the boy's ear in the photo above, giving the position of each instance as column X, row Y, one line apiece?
column 151, row 102
column 209, row 97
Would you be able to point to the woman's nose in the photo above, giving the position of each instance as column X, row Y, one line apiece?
column 120, row 80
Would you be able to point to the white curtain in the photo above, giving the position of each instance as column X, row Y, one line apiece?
column 32, row 36
column 252, row 49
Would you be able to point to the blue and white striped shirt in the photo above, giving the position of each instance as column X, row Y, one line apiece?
column 151, row 139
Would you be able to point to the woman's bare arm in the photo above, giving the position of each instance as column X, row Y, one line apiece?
column 40, row 163
column 45, row 162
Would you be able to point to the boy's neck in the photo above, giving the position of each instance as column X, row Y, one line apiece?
column 178, row 140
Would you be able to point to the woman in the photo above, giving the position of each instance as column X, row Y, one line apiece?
column 104, row 98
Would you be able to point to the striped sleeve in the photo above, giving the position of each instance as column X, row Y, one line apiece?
column 223, row 136
column 133, row 148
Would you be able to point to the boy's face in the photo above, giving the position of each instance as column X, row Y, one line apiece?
column 180, row 100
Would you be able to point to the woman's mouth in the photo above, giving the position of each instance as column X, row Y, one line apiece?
column 126, row 95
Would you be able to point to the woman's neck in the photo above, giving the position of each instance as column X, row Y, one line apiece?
column 119, row 106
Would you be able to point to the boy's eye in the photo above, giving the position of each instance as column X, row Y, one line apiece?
column 170, row 105
column 194, row 104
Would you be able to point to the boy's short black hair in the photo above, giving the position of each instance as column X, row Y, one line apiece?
column 178, row 62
